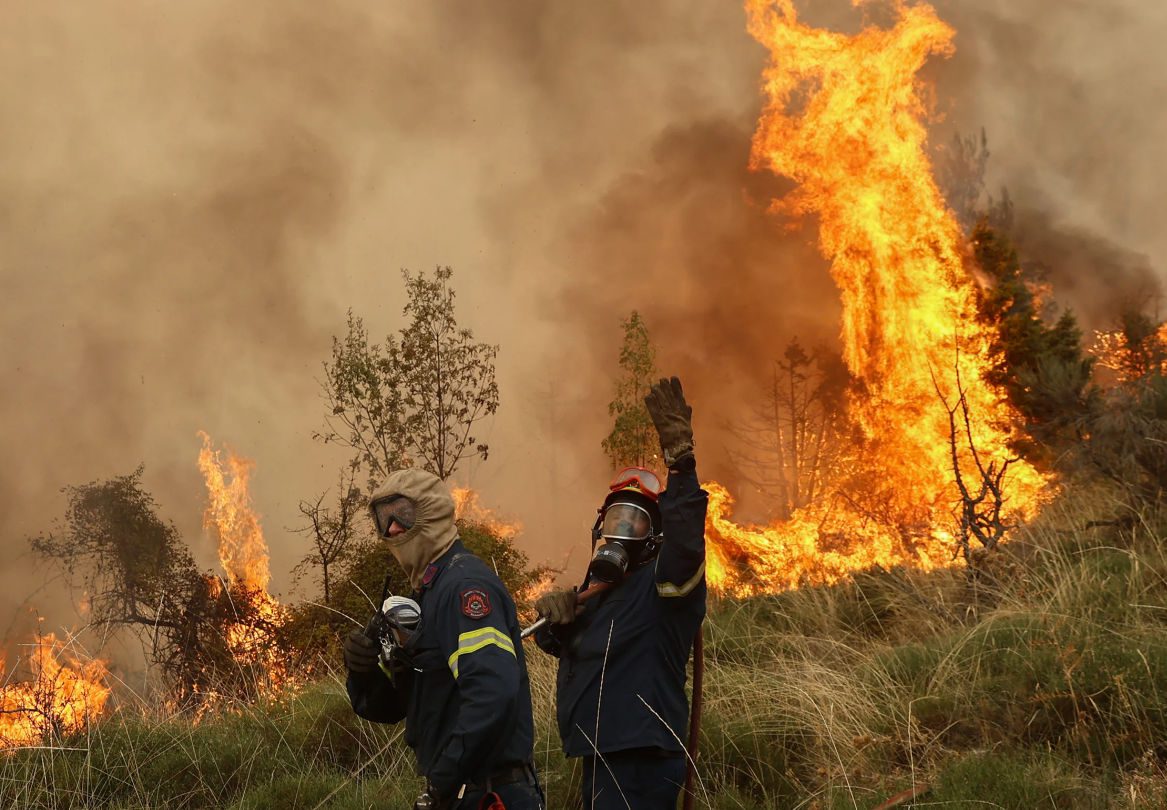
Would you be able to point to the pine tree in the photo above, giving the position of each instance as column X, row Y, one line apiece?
column 1042, row 368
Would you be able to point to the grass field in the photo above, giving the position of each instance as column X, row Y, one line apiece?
column 1039, row 681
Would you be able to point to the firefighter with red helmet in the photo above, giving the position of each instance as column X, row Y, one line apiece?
column 622, row 655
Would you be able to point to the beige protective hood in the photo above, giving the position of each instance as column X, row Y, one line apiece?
column 433, row 533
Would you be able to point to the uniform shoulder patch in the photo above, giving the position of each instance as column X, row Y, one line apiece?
column 475, row 603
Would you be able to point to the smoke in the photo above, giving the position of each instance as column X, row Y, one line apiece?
column 1098, row 279
column 193, row 195
column 1071, row 96
column 689, row 242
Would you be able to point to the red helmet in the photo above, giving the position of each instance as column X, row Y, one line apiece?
column 637, row 479
column 637, row 492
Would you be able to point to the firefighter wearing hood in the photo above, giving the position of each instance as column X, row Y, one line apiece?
column 621, row 701
column 457, row 675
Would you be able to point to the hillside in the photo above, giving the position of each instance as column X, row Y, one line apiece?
column 1038, row 682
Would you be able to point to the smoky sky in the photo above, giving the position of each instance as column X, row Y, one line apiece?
column 192, row 195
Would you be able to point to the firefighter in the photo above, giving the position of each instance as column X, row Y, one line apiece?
column 456, row 675
column 622, row 654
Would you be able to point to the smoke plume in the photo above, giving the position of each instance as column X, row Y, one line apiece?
column 193, row 195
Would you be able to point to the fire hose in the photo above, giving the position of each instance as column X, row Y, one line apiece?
column 698, row 679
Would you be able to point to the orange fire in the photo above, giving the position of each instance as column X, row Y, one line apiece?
column 1125, row 362
column 844, row 120
column 60, row 698
column 242, row 549
column 539, row 587
column 243, row 554
column 468, row 507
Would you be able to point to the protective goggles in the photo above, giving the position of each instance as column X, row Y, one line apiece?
column 638, row 478
column 394, row 509
column 626, row 521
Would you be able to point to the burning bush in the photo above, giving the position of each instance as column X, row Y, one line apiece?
column 56, row 699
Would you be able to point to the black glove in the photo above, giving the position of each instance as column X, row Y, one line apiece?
column 558, row 606
column 673, row 419
column 360, row 652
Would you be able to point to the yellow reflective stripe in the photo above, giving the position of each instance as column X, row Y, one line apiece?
column 669, row 589
column 473, row 640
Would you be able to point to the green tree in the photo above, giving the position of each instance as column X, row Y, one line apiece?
column 415, row 399
column 1042, row 367
column 633, row 441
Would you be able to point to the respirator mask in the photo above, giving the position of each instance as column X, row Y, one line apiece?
column 628, row 529
column 391, row 627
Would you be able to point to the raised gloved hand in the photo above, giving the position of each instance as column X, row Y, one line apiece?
column 560, row 607
column 360, row 652
column 673, row 419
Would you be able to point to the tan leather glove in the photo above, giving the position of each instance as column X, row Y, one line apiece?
column 673, row 418
column 560, row 606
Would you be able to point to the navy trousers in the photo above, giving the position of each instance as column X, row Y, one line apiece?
column 637, row 779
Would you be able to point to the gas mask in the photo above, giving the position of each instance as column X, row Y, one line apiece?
column 627, row 533
column 391, row 627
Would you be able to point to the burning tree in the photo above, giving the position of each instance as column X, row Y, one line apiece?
column 798, row 436
column 1040, row 366
column 960, row 172
column 1136, row 350
column 415, row 399
column 980, row 513
column 138, row 574
column 843, row 119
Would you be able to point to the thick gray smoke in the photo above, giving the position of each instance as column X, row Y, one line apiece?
column 191, row 196
column 1071, row 95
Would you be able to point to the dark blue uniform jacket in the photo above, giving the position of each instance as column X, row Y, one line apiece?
column 636, row 639
column 467, row 700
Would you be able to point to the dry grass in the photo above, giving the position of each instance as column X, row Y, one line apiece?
column 1038, row 681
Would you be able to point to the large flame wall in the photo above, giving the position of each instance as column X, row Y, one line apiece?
column 844, row 118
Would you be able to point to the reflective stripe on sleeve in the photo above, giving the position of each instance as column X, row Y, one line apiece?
column 669, row 589
column 473, row 640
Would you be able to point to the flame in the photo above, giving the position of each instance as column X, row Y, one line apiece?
column 242, row 549
column 243, row 553
column 543, row 585
column 468, row 507
column 1114, row 352
column 525, row 598
column 60, row 698
column 844, row 119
